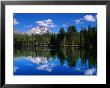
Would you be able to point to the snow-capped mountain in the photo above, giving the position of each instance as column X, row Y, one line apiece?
column 38, row 30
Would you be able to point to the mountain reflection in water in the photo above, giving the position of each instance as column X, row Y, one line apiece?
column 58, row 61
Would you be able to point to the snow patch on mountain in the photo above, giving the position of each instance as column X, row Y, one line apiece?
column 38, row 30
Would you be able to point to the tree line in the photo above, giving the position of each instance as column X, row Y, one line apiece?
column 71, row 37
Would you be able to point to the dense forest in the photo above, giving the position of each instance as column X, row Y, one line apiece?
column 71, row 37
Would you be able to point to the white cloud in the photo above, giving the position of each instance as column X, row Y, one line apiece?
column 29, row 26
column 89, row 18
column 15, row 21
column 52, row 26
column 78, row 21
column 64, row 25
column 46, row 23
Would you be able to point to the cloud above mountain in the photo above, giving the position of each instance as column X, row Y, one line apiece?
column 46, row 23
column 42, row 26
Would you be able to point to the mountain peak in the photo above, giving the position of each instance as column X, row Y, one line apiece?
column 38, row 30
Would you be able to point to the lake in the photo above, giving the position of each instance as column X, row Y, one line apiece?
column 54, row 61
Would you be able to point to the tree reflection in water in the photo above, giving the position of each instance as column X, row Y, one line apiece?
column 82, row 60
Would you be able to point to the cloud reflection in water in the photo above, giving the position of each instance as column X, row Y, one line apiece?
column 43, row 63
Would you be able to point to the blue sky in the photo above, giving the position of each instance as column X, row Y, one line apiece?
column 24, row 22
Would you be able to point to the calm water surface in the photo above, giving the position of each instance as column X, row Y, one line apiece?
column 56, row 61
